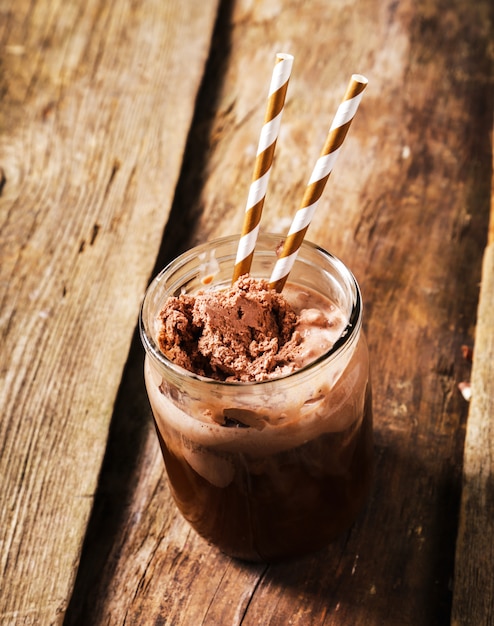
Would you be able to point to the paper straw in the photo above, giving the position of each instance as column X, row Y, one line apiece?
column 263, row 162
column 319, row 177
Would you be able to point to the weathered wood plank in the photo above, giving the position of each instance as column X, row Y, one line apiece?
column 407, row 208
column 473, row 599
column 97, row 100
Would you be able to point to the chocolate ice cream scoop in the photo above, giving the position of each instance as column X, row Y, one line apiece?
column 242, row 333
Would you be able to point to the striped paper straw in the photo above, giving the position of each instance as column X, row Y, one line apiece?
column 263, row 162
column 319, row 177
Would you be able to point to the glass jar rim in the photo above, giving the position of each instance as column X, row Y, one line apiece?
column 350, row 332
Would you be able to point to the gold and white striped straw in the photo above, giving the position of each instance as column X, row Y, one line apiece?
column 262, row 167
column 319, row 177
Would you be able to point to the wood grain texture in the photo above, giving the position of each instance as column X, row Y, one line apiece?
column 473, row 601
column 407, row 208
column 90, row 151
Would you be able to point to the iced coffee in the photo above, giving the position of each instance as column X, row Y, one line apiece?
column 261, row 400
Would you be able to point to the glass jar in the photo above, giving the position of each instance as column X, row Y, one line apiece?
column 272, row 469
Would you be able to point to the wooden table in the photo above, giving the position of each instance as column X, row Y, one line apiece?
column 128, row 132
